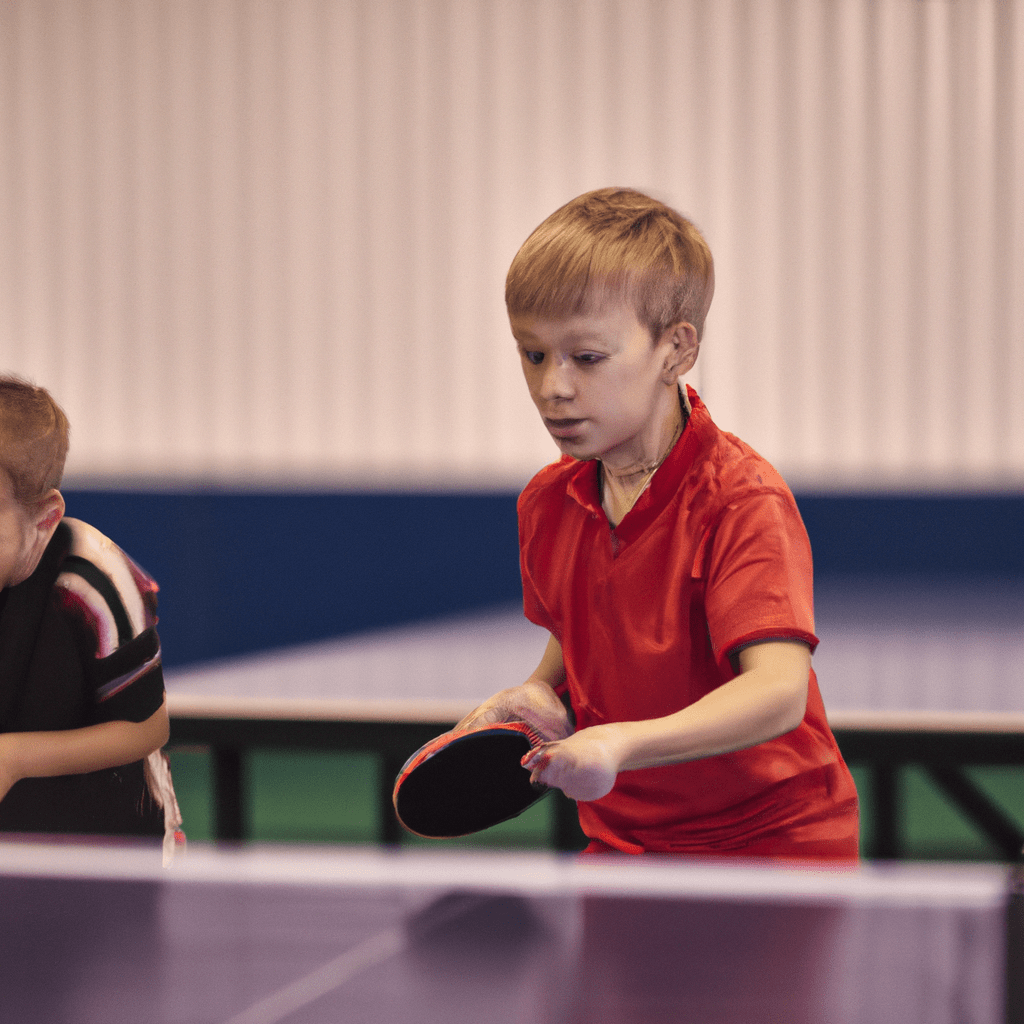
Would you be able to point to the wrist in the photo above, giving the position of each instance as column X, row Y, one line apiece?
column 11, row 766
column 536, row 689
column 614, row 741
column 624, row 745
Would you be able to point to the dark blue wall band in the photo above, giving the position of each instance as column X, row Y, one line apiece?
column 943, row 535
column 242, row 572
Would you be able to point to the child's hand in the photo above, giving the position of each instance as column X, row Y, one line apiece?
column 533, row 703
column 584, row 766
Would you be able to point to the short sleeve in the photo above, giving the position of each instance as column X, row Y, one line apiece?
column 128, row 685
column 113, row 604
column 758, row 572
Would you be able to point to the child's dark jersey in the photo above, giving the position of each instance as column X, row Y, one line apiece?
column 78, row 646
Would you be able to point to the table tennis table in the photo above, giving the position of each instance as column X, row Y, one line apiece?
column 943, row 743
column 100, row 932
column 913, row 676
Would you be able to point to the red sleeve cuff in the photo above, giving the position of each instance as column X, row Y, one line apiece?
column 760, row 636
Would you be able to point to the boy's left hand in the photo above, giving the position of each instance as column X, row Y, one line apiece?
column 584, row 766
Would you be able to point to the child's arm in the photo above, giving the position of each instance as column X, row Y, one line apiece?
column 768, row 698
column 534, row 702
column 26, row 755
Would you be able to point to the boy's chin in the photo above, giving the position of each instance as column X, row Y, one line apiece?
column 578, row 451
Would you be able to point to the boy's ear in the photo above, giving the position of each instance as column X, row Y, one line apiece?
column 49, row 513
column 42, row 519
column 683, row 354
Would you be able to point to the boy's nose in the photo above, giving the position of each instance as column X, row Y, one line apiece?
column 556, row 381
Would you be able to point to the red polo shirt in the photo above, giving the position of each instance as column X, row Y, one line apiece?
column 713, row 555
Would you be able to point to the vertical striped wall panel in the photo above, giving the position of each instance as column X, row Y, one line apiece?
column 256, row 240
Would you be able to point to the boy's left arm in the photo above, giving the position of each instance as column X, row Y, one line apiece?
column 76, row 751
column 766, row 699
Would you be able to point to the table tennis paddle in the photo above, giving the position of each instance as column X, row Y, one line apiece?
column 467, row 780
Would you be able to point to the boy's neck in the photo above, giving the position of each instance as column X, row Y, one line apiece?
column 621, row 488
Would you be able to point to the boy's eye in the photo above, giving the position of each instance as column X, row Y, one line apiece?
column 534, row 357
column 588, row 358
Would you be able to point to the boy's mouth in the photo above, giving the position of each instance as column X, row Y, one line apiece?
column 562, row 427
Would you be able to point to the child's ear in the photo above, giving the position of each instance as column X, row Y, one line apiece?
column 44, row 518
column 683, row 354
column 50, row 512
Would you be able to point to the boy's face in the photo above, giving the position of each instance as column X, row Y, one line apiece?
column 23, row 536
column 603, row 388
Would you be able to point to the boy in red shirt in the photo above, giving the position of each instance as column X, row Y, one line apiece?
column 666, row 559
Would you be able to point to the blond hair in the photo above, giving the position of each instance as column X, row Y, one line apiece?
column 34, row 437
column 615, row 243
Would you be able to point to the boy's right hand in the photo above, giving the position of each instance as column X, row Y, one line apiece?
column 534, row 703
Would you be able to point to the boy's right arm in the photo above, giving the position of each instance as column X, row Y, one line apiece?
column 535, row 702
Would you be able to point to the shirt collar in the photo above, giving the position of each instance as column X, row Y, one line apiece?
column 583, row 485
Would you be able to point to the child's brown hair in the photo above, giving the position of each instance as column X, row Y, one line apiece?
column 614, row 243
column 34, row 437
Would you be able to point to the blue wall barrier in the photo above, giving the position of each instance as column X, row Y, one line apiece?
column 242, row 572
column 945, row 535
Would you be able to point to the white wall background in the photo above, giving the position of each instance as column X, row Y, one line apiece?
column 265, row 240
